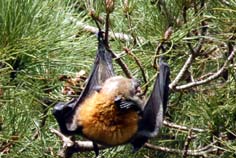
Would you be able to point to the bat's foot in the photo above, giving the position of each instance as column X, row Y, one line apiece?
column 138, row 142
column 96, row 149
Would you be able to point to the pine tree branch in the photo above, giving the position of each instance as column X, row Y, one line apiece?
column 117, row 35
column 193, row 52
column 210, row 78
column 180, row 127
column 129, row 52
column 70, row 147
column 182, row 71
column 187, row 143
column 197, row 152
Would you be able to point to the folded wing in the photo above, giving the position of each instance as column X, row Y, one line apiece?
column 154, row 109
column 102, row 70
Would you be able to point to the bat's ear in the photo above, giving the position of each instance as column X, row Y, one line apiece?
column 97, row 88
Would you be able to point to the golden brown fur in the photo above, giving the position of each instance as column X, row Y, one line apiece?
column 100, row 119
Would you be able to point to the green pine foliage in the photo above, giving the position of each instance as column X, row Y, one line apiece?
column 39, row 43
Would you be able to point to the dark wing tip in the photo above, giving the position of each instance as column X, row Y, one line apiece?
column 64, row 112
column 138, row 142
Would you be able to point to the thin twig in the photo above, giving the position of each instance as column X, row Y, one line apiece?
column 96, row 21
column 180, row 127
column 181, row 73
column 198, row 152
column 117, row 35
column 207, row 147
column 157, row 53
column 107, row 29
column 187, row 143
column 160, row 45
column 129, row 52
column 123, row 66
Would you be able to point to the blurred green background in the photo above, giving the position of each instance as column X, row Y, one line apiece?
column 39, row 43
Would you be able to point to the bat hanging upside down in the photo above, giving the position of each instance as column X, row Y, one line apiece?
column 110, row 111
column 104, row 118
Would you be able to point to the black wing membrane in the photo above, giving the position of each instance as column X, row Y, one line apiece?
column 154, row 109
column 102, row 70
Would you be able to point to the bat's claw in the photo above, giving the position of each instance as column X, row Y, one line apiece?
column 96, row 149
column 126, row 104
column 59, row 106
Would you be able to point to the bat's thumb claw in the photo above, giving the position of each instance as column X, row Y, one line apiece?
column 58, row 108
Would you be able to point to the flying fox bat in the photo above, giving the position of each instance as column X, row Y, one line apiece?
column 109, row 111
column 102, row 70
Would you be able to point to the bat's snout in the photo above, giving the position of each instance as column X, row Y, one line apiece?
column 137, row 86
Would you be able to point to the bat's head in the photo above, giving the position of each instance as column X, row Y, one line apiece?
column 119, row 85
